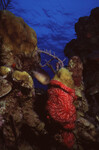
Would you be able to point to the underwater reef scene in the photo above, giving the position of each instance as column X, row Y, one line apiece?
column 65, row 115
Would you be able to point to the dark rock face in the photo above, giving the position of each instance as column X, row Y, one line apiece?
column 87, row 30
column 86, row 47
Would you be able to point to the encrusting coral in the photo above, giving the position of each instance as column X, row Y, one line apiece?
column 23, row 77
column 60, row 105
column 4, row 71
column 75, row 66
column 64, row 76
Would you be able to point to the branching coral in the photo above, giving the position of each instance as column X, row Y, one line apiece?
column 59, row 64
column 5, row 4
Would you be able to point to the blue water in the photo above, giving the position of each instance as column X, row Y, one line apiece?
column 53, row 20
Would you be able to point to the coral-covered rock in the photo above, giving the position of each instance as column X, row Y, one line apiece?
column 18, row 47
column 19, row 63
column 76, row 67
column 18, row 112
column 86, row 46
column 84, row 65
column 84, row 128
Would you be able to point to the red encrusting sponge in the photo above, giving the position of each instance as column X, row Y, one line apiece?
column 61, row 108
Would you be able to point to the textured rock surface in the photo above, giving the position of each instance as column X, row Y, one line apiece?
column 86, row 47
column 19, row 111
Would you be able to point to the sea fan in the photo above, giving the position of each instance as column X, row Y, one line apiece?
column 5, row 4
